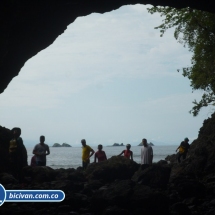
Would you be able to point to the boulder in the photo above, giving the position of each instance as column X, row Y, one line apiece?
column 187, row 187
column 148, row 201
column 117, row 194
column 200, row 160
column 156, row 176
column 6, row 178
column 39, row 174
column 114, row 210
column 117, row 167
column 5, row 137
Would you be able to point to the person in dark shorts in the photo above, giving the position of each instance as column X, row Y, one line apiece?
column 18, row 157
column 100, row 154
column 127, row 153
column 41, row 150
column 87, row 152
column 183, row 149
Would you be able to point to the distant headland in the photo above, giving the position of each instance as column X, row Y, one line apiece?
column 63, row 145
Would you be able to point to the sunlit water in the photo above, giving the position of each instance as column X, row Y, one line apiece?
column 70, row 157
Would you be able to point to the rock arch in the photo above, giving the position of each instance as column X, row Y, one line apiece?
column 27, row 27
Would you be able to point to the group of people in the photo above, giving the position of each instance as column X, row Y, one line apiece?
column 146, row 152
column 18, row 157
column 18, row 153
column 100, row 155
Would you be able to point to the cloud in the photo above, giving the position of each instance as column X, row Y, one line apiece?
column 108, row 77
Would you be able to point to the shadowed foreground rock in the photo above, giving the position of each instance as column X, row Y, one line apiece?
column 120, row 186
column 5, row 137
column 117, row 167
column 156, row 176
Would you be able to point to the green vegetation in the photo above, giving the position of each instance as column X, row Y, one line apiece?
column 196, row 30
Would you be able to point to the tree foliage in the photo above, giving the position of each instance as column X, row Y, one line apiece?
column 196, row 30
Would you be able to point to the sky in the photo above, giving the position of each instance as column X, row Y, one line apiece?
column 109, row 78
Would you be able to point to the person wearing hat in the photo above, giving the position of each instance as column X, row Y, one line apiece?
column 183, row 149
column 127, row 153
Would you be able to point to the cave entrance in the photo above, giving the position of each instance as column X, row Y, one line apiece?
column 109, row 77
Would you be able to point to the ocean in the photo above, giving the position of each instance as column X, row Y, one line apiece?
column 70, row 157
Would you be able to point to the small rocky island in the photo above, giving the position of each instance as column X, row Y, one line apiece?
column 63, row 145
column 118, row 144
column 150, row 144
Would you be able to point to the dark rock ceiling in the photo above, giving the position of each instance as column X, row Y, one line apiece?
column 29, row 26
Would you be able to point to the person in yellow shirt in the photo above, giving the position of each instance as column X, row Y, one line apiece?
column 87, row 152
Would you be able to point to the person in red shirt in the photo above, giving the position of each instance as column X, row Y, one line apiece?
column 127, row 153
column 100, row 155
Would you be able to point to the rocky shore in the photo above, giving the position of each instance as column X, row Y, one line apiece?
column 120, row 186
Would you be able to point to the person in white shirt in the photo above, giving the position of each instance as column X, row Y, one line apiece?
column 41, row 150
column 146, row 153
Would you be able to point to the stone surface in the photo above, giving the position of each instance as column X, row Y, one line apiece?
column 156, row 175
column 5, row 137
column 121, row 186
column 117, row 167
column 39, row 173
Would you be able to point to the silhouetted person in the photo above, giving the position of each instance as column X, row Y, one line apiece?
column 146, row 153
column 127, row 153
column 33, row 161
column 100, row 154
column 18, row 157
column 183, row 149
column 87, row 152
column 41, row 150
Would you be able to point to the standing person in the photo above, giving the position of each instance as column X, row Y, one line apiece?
column 183, row 149
column 18, row 157
column 33, row 161
column 100, row 154
column 146, row 153
column 87, row 152
column 127, row 153
column 41, row 150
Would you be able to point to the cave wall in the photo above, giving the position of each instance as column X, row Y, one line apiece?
column 29, row 26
